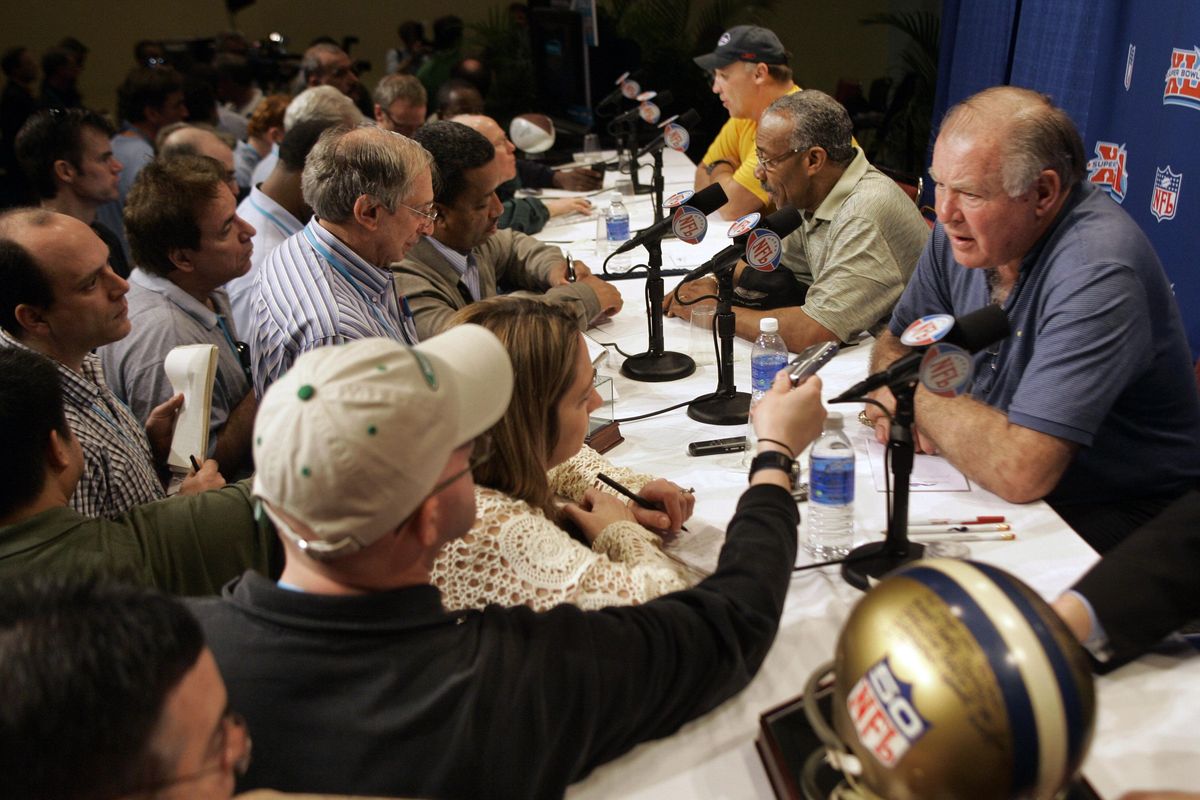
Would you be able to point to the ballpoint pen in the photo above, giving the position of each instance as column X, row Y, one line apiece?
column 637, row 498
column 963, row 537
column 964, row 528
column 976, row 521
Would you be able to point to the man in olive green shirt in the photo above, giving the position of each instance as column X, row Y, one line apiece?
column 184, row 545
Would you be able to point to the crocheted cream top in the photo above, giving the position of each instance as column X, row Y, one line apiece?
column 514, row 555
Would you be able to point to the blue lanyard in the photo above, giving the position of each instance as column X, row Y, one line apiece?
column 278, row 223
column 111, row 421
column 408, row 335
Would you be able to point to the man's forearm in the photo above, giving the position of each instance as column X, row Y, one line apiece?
column 887, row 348
column 1017, row 463
column 233, row 443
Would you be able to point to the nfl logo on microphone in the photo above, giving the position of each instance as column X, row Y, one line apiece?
column 1166, row 193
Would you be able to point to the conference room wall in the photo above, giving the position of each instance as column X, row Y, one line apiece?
column 826, row 40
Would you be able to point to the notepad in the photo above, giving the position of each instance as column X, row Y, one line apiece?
column 191, row 369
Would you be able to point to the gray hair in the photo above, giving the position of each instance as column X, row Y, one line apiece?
column 1034, row 135
column 323, row 104
column 399, row 87
column 347, row 163
column 817, row 120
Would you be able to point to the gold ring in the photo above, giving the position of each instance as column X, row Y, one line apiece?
column 862, row 417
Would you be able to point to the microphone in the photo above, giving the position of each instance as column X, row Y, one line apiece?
column 662, row 99
column 687, row 119
column 616, row 94
column 782, row 223
column 706, row 201
column 972, row 332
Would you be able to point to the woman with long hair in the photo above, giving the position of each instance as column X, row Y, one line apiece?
column 540, row 478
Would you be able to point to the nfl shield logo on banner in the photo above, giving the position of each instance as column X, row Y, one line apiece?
column 1166, row 193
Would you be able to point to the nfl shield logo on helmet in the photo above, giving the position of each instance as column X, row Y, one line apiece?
column 1183, row 79
column 1108, row 171
column 1166, row 193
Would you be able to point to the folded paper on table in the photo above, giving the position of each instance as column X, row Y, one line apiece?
column 191, row 369
column 929, row 473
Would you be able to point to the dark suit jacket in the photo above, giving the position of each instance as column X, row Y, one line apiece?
column 1149, row 585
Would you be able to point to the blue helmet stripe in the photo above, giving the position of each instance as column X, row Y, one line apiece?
column 1072, row 706
column 1025, row 744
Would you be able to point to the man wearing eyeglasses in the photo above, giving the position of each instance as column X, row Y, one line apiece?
column 400, row 104
column 465, row 258
column 110, row 692
column 188, row 242
column 328, row 65
column 844, row 268
column 356, row 680
column 371, row 192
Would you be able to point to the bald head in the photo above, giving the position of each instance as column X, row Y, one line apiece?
column 491, row 130
column 1032, row 132
column 192, row 140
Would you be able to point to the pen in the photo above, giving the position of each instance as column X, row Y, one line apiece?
column 570, row 268
column 195, row 463
column 976, row 521
column 957, row 528
column 637, row 498
column 966, row 537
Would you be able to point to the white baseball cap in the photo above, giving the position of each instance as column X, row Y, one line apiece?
column 353, row 437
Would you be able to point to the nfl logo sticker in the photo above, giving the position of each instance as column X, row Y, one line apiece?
column 763, row 250
column 1183, row 79
column 926, row 330
column 1166, row 193
column 676, row 137
column 1108, row 171
column 744, row 224
column 678, row 199
column 880, row 706
column 689, row 224
column 644, row 96
column 649, row 112
column 946, row 370
column 630, row 89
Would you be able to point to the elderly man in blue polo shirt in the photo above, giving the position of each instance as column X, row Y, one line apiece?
column 1090, row 403
column 371, row 192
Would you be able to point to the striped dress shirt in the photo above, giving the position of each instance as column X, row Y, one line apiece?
column 118, row 468
column 313, row 291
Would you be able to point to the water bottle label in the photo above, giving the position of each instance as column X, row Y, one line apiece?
column 618, row 229
column 831, row 481
column 763, row 369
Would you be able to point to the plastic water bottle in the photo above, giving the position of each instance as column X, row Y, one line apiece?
column 768, row 356
column 831, row 492
column 616, row 222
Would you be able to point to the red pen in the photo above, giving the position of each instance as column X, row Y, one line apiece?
column 976, row 521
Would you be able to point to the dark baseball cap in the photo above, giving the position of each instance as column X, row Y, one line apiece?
column 748, row 43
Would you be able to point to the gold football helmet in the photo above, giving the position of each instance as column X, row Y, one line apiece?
column 953, row 679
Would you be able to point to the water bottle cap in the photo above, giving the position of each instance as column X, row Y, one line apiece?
column 833, row 421
column 768, row 325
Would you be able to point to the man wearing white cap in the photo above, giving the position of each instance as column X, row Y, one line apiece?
column 353, row 676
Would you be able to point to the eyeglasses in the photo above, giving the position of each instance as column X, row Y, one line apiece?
column 232, row 743
column 431, row 215
column 480, row 452
column 770, row 164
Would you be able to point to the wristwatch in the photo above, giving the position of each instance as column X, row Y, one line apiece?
column 773, row 459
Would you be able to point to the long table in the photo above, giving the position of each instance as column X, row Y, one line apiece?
column 1145, row 736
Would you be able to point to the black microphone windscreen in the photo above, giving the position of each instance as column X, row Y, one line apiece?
column 663, row 98
column 783, row 221
column 688, row 119
column 979, row 329
column 708, row 199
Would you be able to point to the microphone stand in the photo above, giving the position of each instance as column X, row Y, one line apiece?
column 866, row 565
column 725, row 406
column 656, row 364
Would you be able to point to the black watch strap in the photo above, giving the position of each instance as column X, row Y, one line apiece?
column 773, row 459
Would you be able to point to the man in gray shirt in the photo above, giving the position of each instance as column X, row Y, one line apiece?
column 187, row 242
column 850, row 259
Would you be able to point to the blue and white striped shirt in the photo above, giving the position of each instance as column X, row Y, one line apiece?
column 313, row 291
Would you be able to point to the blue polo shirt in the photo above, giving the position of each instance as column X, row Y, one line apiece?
column 1097, row 354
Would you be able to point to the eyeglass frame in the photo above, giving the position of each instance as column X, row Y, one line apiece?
column 230, row 720
column 431, row 216
column 481, row 451
column 772, row 163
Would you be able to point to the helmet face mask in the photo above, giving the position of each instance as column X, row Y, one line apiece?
column 954, row 679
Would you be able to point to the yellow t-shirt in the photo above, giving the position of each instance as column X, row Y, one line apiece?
column 735, row 144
